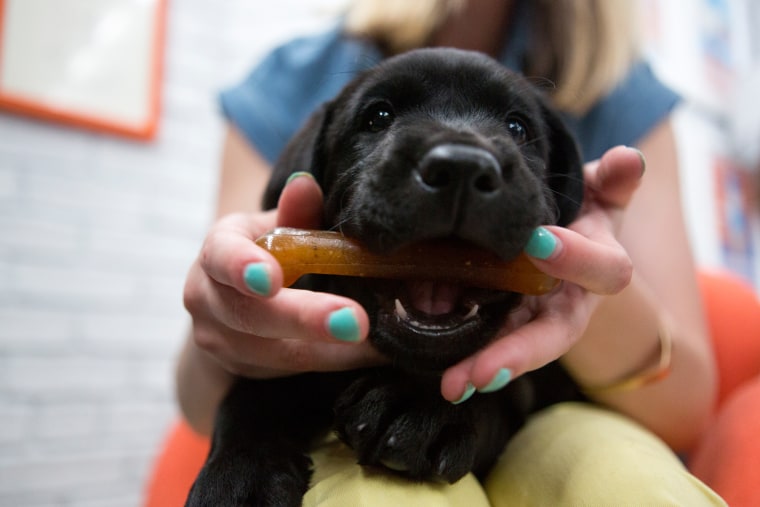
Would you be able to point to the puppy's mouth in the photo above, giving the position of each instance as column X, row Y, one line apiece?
column 436, row 312
column 436, row 307
column 431, row 325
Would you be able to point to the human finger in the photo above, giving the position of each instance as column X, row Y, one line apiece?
column 254, row 356
column 230, row 257
column 301, row 203
column 290, row 314
column 612, row 180
column 229, row 254
column 525, row 348
column 297, row 356
column 600, row 264
column 243, row 333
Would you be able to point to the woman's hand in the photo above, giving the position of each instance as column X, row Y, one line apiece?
column 245, row 319
column 591, row 263
column 253, row 327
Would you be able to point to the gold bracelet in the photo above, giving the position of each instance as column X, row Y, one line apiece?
column 644, row 377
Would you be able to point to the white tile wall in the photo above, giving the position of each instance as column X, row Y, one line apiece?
column 96, row 234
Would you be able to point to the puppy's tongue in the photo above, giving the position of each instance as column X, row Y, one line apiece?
column 433, row 298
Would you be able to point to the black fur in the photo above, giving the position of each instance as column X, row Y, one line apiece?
column 432, row 144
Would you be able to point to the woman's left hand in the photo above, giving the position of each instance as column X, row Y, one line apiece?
column 586, row 256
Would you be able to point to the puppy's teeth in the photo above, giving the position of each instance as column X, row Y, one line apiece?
column 401, row 311
column 473, row 312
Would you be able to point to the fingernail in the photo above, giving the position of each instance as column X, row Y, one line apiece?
column 298, row 175
column 468, row 392
column 541, row 244
column 643, row 159
column 501, row 379
column 256, row 277
column 343, row 326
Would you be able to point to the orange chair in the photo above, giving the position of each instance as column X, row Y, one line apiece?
column 727, row 460
column 176, row 467
column 728, row 457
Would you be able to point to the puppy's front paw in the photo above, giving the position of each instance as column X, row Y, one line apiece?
column 406, row 427
column 241, row 480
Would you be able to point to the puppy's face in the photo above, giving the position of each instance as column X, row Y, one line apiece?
column 436, row 144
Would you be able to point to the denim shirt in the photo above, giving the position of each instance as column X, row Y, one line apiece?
column 290, row 82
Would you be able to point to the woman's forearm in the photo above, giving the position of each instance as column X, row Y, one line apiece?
column 663, row 297
column 201, row 385
column 623, row 338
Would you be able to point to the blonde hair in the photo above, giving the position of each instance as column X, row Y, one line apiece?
column 584, row 47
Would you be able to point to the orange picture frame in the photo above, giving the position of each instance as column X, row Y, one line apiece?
column 22, row 96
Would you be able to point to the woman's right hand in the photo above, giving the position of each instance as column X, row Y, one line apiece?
column 250, row 324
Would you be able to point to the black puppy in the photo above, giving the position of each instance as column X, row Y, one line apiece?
column 432, row 144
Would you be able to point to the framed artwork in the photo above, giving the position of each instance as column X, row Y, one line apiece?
column 95, row 64
column 736, row 198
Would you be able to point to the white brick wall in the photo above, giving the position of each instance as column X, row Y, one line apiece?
column 96, row 234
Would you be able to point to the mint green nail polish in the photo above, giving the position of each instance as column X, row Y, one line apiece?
column 342, row 325
column 298, row 175
column 256, row 277
column 501, row 379
column 541, row 244
column 468, row 392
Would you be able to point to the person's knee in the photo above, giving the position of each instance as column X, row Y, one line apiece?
column 578, row 454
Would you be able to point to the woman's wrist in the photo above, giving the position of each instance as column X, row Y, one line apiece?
column 623, row 339
column 654, row 370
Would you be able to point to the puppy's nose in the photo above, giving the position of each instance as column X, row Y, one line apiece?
column 461, row 167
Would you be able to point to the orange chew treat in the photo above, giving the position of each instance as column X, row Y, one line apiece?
column 302, row 251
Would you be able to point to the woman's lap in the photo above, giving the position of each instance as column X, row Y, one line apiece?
column 580, row 454
column 569, row 454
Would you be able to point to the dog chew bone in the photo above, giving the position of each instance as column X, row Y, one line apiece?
column 301, row 251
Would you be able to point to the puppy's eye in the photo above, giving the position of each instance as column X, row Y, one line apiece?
column 517, row 129
column 379, row 117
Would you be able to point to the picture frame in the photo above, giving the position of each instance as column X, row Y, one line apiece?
column 93, row 64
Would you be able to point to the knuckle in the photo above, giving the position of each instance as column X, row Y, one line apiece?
column 613, row 276
column 243, row 315
column 624, row 273
column 304, row 317
column 522, row 358
column 234, row 367
column 214, row 240
column 206, row 256
column 191, row 294
column 231, row 219
column 206, row 338
column 297, row 355
column 217, row 344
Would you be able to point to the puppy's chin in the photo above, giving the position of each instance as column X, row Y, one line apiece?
column 425, row 326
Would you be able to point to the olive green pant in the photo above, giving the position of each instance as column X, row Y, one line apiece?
column 571, row 454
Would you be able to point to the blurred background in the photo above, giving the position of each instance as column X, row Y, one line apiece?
column 98, row 225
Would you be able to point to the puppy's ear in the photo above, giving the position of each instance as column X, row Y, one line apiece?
column 564, row 169
column 304, row 152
